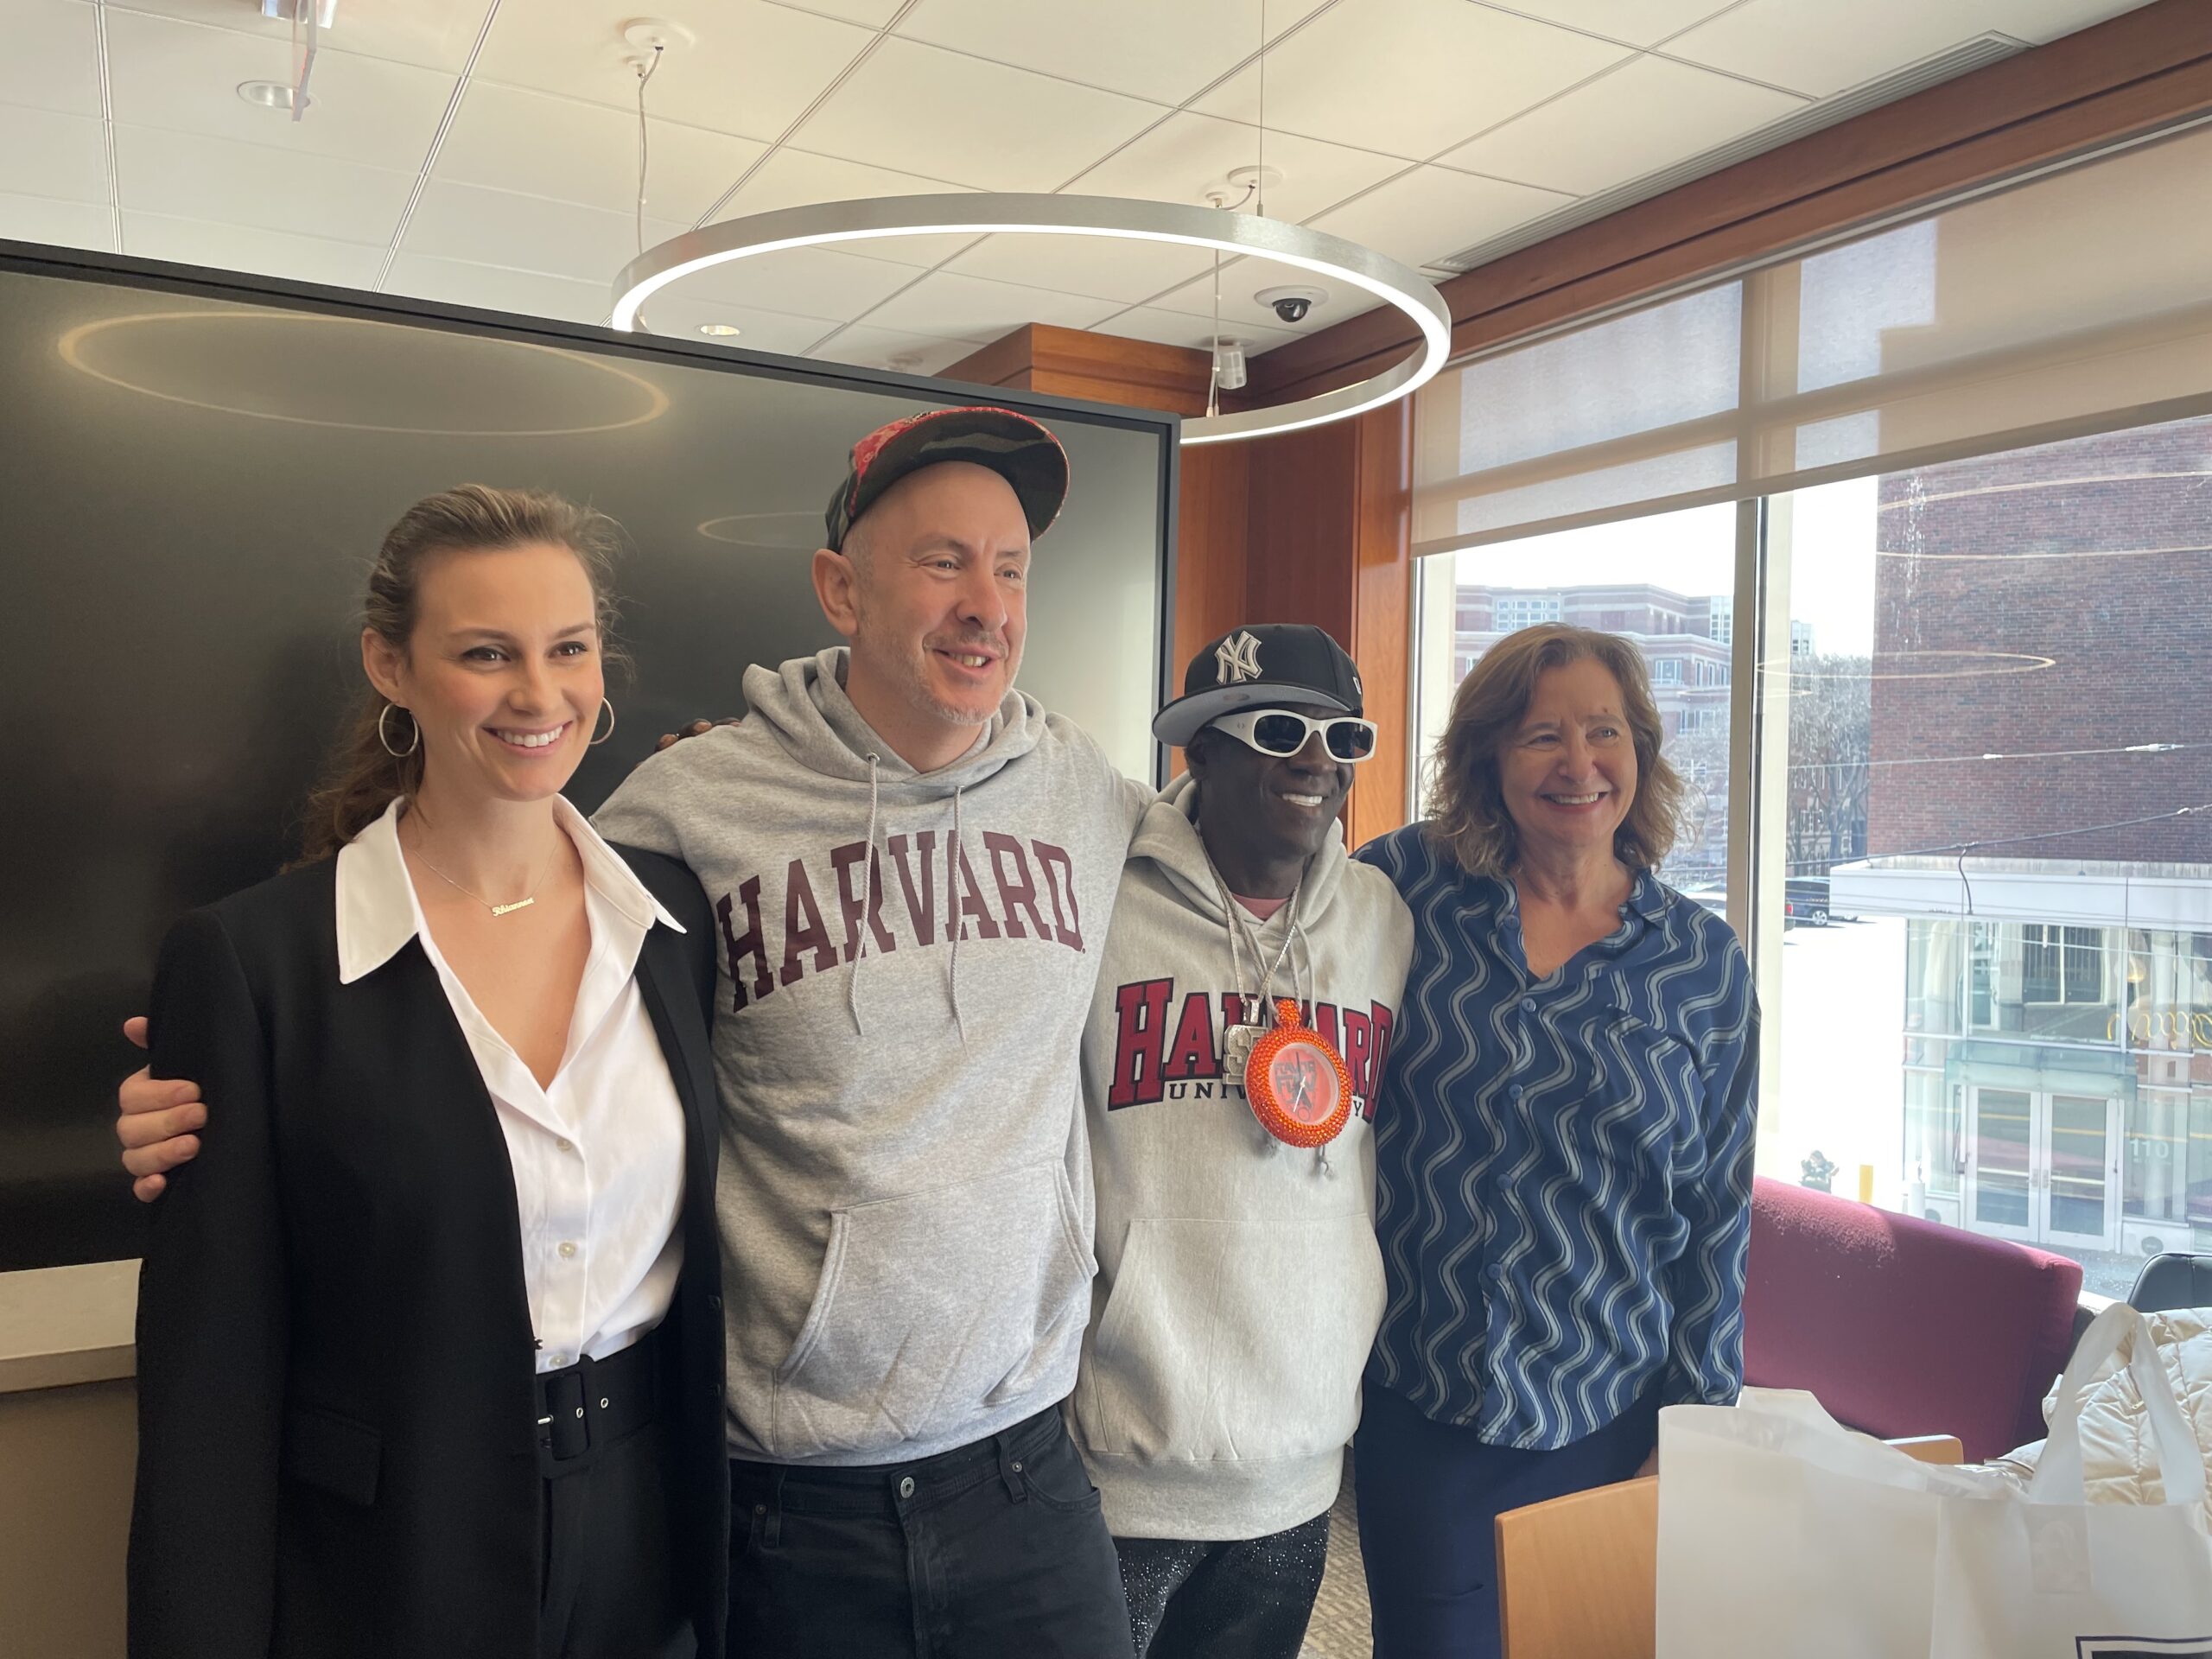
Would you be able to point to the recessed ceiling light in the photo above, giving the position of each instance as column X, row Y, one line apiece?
column 720, row 330
column 268, row 94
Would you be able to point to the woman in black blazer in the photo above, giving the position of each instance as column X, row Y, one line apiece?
column 429, row 1332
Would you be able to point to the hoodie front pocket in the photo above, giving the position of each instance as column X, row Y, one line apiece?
column 932, row 1309
column 1237, row 1340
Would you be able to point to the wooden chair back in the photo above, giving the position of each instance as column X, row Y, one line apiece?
column 1578, row 1576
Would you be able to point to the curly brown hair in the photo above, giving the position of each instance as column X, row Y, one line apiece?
column 1467, row 811
column 365, row 777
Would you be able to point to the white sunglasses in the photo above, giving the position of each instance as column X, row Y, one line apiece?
column 1278, row 733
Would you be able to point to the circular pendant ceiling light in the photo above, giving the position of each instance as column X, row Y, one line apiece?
column 881, row 218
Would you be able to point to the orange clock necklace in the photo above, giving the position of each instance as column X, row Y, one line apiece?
column 1294, row 1080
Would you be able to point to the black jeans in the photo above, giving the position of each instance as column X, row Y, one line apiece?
column 1250, row 1599
column 995, row 1551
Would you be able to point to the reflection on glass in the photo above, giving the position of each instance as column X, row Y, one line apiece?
column 2078, row 1151
column 2002, row 1125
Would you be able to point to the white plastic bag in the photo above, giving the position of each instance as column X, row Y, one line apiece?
column 1782, row 1533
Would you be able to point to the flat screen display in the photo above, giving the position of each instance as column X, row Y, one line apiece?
column 194, row 474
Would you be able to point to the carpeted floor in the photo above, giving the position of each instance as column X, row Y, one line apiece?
column 1339, row 1628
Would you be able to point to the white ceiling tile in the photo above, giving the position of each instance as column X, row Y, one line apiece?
column 51, row 56
column 63, row 224
column 869, row 14
column 981, row 123
column 252, row 184
column 2046, row 20
column 46, row 153
column 522, row 293
column 759, row 330
column 542, row 145
column 1178, row 159
column 239, row 247
column 753, row 70
column 1165, row 50
column 1180, row 329
column 887, row 348
column 793, row 178
column 1818, row 46
column 1104, row 267
column 1432, row 212
column 968, row 307
column 818, row 282
column 1640, row 22
column 558, row 239
column 1409, row 77
column 1647, row 115
column 1242, row 313
column 185, row 78
column 432, row 34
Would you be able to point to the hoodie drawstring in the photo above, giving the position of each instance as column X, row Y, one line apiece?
column 952, row 912
column 867, row 896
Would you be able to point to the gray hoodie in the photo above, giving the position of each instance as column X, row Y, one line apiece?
column 905, row 1192
column 1239, row 1284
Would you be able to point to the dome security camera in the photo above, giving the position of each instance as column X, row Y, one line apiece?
column 1291, row 304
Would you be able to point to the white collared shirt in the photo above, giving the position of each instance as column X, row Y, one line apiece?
column 598, row 1157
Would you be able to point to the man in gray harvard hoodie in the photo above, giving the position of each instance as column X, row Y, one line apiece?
column 914, row 867
column 1239, row 1284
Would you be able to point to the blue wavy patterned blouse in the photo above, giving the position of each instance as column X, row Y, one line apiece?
column 1563, row 1166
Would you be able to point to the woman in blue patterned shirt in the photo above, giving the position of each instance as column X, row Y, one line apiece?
column 1563, row 1141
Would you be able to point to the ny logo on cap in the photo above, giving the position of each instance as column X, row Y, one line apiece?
column 1237, row 658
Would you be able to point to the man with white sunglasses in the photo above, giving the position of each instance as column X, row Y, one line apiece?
column 1243, row 1018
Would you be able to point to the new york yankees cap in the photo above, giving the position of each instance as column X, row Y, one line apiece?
column 1260, row 665
column 1017, row 448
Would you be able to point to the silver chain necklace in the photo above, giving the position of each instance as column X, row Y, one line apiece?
column 1238, row 1040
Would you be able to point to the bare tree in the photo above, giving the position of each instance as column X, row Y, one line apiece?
column 1701, row 855
column 1831, row 743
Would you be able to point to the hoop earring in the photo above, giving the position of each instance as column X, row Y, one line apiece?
column 383, row 737
column 609, row 732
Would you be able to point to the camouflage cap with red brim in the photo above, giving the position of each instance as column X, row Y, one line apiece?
column 1016, row 447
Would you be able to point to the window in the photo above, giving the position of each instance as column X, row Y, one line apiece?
column 1668, row 671
column 2061, row 964
column 1985, row 761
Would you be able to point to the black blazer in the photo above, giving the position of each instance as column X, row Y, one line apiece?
column 337, row 1429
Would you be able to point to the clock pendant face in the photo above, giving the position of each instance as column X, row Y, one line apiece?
column 1304, row 1081
column 1296, row 1082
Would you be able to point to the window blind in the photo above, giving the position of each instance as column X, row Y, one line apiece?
column 2079, row 301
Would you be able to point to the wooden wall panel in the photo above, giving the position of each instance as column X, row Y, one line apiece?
column 1104, row 368
column 1382, row 619
column 1212, row 540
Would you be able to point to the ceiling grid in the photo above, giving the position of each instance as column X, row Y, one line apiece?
column 486, row 155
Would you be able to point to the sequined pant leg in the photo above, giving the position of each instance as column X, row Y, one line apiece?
column 1247, row 1599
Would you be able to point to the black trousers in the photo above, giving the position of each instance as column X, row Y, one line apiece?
column 994, row 1551
column 1250, row 1599
column 610, row 1588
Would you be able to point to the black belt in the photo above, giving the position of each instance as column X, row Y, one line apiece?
column 590, row 1405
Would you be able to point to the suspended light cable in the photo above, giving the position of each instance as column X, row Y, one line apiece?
column 646, row 72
